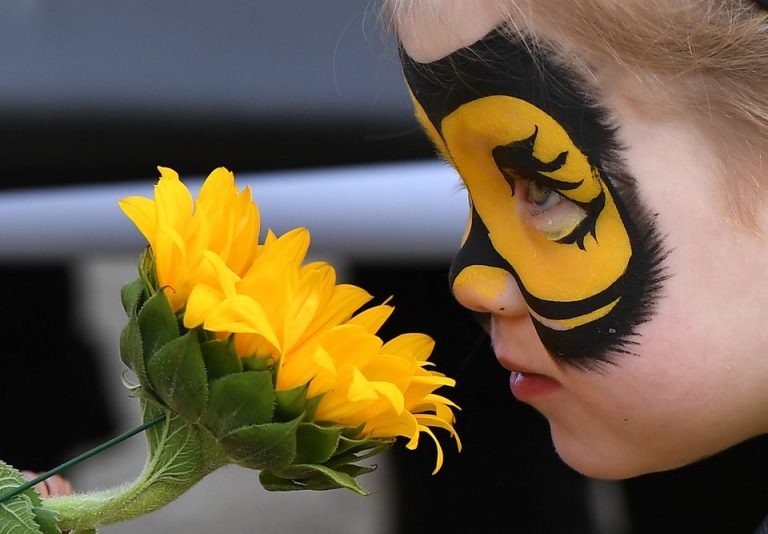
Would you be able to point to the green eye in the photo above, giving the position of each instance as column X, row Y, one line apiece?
column 542, row 197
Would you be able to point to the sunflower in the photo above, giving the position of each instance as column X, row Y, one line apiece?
column 273, row 306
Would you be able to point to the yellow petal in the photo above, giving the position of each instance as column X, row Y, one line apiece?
column 418, row 345
column 202, row 300
column 227, row 279
column 392, row 393
column 373, row 318
column 241, row 314
column 141, row 211
column 360, row 389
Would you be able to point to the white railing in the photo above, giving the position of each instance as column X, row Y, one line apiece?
column 389, row 211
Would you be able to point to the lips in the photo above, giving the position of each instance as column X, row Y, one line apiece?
column 526, row 384
column 530, row 377
column 527, row 387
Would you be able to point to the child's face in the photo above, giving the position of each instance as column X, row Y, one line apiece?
column 626, row 306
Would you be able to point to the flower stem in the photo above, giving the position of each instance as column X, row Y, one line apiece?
column 180, row 455
column 81, row 458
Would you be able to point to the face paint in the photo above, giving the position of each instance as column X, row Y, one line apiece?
column 532, row 152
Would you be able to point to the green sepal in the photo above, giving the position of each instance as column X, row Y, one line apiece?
column 131, row 296
column 132, row 350
column 316, row 444
column 350, row 450
column 309, row 476
column 256, row 363
column 149, row 396
column 290, row 403
column 157, row 324
column 147, row 272
column 267, row 446
column 220, row 359
column 355, row 470
column 311, row 406
column 239, row 400
column 177, row 373
column 24, row 513
column 352, row 432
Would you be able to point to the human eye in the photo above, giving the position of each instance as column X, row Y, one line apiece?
column 542, row 197
column 554, row 215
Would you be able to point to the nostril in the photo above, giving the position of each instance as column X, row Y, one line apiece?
column 487, row 289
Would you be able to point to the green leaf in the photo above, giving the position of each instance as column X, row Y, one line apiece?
column 132, row 352
column 175, row 450
column 267, row 446
column 239, row 400
column 220, row 359
column 131, row 294
column 157, row 324
column 178, row 374
column 315, row 443
column 17, row 514
column 48, row 520
column 290, row 403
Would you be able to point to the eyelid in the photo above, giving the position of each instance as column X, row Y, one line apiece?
column 560, row 221
column 557, row 222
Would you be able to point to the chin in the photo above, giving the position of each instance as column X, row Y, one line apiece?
column 609, row 460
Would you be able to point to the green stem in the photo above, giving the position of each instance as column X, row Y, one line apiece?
column 180, row 455
column 74, row 461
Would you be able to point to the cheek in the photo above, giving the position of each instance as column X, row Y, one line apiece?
column 689, row 391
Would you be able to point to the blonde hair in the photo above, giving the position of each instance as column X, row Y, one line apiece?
column 704, row 61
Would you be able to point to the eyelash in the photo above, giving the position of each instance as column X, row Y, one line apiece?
column 547, row 193
column 585, row 227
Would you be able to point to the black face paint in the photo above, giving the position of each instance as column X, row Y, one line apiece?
column 504, row 115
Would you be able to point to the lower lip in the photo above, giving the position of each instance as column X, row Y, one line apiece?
column 528, row 386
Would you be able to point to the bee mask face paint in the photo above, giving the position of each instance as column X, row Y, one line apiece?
column 551, row 203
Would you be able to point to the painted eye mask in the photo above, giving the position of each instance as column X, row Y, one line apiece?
column 532, row 152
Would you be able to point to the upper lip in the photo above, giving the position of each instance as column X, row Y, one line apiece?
column 510, row 352
column 514, row 367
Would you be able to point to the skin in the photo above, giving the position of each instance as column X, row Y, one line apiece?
column 56, row 485
column 695, row 383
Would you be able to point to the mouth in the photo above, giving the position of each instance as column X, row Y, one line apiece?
column 525, row 383
column 527, row 387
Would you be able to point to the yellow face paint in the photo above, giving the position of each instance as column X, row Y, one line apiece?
column 531, row 151
column 548, row 269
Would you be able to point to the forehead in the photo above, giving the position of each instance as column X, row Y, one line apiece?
column 431, row 30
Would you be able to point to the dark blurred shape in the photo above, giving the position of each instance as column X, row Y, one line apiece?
column 508, row 478
column 81, row 150
column 724, row 494
column 52, row 398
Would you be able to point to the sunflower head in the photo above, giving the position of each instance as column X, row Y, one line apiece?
column 265, row 352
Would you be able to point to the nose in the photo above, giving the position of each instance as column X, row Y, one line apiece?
column 487, row 289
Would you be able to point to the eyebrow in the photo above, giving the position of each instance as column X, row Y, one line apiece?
column 499, row 64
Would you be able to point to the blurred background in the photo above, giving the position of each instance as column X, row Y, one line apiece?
column 304, row 101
